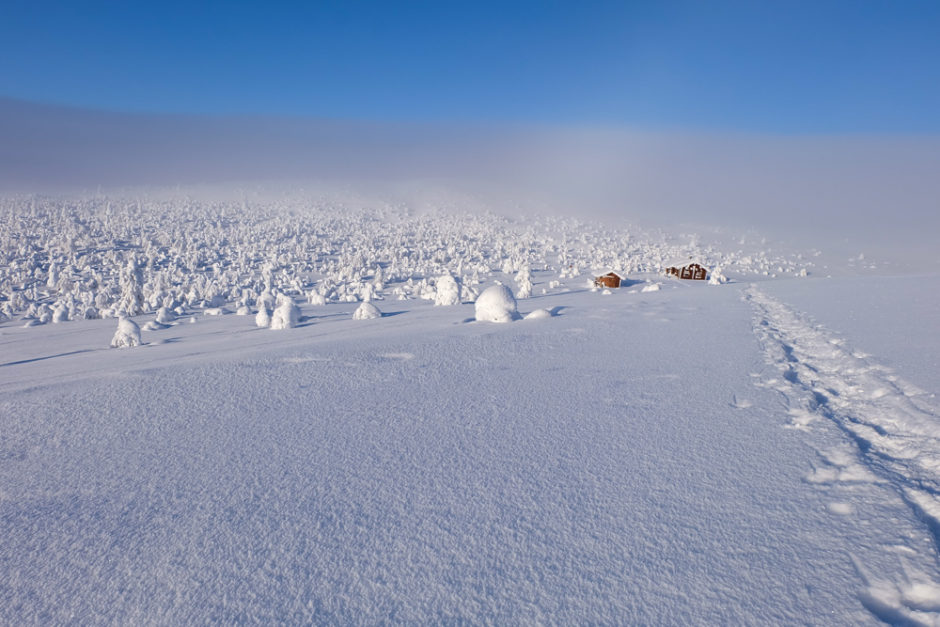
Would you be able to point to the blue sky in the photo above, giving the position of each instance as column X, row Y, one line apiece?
column 857, row 66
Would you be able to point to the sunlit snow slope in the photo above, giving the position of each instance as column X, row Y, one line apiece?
column 693, row 454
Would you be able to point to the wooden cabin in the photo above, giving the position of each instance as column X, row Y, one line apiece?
column 692, row 272
column 610, row 279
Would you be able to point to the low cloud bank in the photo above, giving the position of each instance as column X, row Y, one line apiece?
column 878, row 185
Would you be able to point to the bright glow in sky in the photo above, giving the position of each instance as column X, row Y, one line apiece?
column 781, row 67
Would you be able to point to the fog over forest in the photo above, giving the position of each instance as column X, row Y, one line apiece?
column 869, row 187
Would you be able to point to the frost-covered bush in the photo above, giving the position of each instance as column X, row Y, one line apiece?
column 127, row 334
column 263, row 317
column 286, row 315
column 716, row 277
column 447, row 291
column 496, row 304
column 60, row 313
column 165, row 316
column 367, row 311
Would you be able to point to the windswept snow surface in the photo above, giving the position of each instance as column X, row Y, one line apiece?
column 699, row 454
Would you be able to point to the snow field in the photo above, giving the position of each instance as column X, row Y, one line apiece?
column 674, row 453
column 602, row 466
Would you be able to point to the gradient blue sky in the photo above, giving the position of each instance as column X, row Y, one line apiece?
column 858, row 66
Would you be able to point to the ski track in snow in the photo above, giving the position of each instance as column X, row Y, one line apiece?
column 893, row 437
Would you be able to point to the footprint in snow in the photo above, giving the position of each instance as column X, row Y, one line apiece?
column 397, row 356
column 740, row 403
column 841, row 509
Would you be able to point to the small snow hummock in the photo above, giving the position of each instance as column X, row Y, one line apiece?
column 286, row 315
column 538, row 314
column 652, row 287
column 367, row 311
column 496, row 304
column 127, row 334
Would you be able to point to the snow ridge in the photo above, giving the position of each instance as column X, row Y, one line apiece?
column 894, row 429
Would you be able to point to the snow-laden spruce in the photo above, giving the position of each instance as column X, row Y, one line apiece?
column 286, row 315
column 496, row 304
column 524, row 281
column 367, row 311
column 127, row 334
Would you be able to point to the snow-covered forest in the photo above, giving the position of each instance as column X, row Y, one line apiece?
column 66, row 259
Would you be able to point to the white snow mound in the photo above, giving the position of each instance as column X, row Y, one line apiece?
column 367, row 311
column 496, row 304
column 127, row 334
column 538, row 314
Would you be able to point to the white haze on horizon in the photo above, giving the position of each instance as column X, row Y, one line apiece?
column 879, row 190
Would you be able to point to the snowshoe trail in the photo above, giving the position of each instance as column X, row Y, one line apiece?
column 892, row 429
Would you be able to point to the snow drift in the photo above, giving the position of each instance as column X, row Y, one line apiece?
column 496, row 304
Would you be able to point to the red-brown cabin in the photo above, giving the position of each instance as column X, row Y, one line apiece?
column 610, row 279
column 693, row 272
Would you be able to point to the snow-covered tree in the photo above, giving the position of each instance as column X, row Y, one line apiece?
column 524, row 281
column 447, row 291
column 367, row 311
column 127, row 334
column 286, row 315
column 132, row 295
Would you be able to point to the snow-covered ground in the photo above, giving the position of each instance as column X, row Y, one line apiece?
column 762, row 451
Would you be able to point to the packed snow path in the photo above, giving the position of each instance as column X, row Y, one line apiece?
column 612, row 463
column 893, row 425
